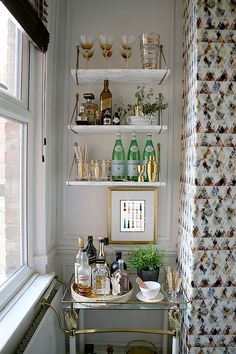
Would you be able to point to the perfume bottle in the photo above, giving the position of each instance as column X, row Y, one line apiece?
column 90, row 108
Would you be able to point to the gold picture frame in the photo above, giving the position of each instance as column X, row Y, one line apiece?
column 132, row 214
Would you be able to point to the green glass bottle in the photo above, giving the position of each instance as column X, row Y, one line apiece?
column 148, row 151
column 118, row 159
column 133, row 159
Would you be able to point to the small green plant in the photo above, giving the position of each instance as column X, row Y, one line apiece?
column 123, row 109
column 146, row 258
column 148, row 103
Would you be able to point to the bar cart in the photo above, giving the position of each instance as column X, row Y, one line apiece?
column 73, row 309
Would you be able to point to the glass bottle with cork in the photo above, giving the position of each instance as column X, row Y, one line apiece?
column 78, row 256
column 106, row 104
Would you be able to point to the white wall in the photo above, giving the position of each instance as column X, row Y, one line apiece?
column 83, row 210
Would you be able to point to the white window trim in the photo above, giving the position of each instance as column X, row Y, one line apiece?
column 12, row 108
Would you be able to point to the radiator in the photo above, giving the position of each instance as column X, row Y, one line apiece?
column 44, row 335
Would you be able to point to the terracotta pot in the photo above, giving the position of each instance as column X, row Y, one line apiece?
column 148, row 275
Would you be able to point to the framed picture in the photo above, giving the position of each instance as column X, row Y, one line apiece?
column 132, row 214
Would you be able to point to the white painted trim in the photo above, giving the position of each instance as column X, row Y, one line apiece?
column 18, row 309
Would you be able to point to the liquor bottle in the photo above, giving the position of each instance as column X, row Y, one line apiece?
column 91, row 251
column 116, row 118
column 114, row 265
column 84, row 274
column 118, row 159
column 133, row 159
column 148, row 151
column 81, row 118
column 78, row 256
column 90, row 108
column 107, row 118
column 101, row 272
column 122, row 277
column 105, row 100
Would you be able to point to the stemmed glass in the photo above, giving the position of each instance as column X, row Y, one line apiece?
column 127, row 41
column 86, row 44
column 106, row 41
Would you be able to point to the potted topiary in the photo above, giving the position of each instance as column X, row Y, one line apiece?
column 147, row 260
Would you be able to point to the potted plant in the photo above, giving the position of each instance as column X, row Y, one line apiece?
column 149, row 104
column 147, row 260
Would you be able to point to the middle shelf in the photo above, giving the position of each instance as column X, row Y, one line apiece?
column 115, row 184
column 117, row 128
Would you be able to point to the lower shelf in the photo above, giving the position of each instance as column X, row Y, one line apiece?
column 115, row 184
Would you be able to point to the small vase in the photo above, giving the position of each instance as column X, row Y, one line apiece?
column 148, row 275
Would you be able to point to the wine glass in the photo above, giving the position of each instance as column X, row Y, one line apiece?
column 127, row 41
column 86, row 44
column 106, row 41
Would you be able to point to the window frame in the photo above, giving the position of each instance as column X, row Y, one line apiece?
column 24, row 112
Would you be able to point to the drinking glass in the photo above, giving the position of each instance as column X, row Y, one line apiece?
column 106, row 41
column 86, row 44
column 127, row 41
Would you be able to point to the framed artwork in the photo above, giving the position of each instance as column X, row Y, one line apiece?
column 132, row 214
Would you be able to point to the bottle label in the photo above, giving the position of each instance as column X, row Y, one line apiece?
column 149, row 148
column 116, row 120
column 118, row 148
column 132, row 168
column 106, row 104
column 134, row 148
column 118, row 168
column 106, row 121
column 83, row 279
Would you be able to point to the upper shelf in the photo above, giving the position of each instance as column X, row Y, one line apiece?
column 117, row 128
column 126, row 76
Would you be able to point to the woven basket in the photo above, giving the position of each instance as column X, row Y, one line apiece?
column 144, row 347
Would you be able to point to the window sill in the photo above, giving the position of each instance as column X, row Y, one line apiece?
column 16, row 316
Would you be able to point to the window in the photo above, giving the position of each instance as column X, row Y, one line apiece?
column 14, row 55
column 16, row 129
column 12, row 197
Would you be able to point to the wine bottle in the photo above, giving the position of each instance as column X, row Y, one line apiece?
column 114, row 265
column 106, row 101
column 91, row 251
column 148, row 151
column 78, row 257
column 118, row 159
column 133, row 159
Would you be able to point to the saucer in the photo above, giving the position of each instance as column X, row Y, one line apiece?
column 140, row 297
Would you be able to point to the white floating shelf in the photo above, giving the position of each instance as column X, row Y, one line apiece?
column 79, row 129
column 128, row 76
column 116, row 184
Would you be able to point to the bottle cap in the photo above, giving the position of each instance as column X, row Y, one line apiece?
column 89, row 96
column 101, row 239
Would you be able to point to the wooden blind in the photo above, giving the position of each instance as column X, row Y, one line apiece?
column 32, row 16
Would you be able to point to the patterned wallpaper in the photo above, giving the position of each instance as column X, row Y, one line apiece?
column 207, row 225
